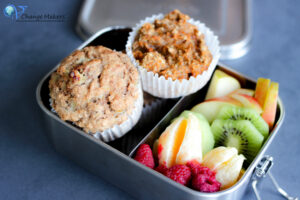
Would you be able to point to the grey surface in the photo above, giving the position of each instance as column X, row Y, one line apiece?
column 230, row 21
column 31, row 169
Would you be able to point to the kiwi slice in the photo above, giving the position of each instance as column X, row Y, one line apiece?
column 208, row 141
column 240, row 134
column 239, row 113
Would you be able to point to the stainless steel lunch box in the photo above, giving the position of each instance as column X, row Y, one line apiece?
column 112, row 161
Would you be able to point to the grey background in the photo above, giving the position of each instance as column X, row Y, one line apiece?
column 31, row 169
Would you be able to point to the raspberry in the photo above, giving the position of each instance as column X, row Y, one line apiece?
column 161, row 169
column 179, row 173
column 194, row 166
column 204, row 179
column 197, row 168
column 206, row 170
column 144, row 156
column 205, row 183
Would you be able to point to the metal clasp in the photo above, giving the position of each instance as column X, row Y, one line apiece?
column 261, row 170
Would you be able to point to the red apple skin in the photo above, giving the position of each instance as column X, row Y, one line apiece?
column 261, row 90
column 210, row 108
column 251, row 99
column 248, row 102
column 248, row 92
column 270, row 104
column 226, row 99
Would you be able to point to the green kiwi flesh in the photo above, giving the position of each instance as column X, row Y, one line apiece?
column 240, row 134
column 239, row 113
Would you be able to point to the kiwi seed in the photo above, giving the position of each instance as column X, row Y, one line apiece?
column 240, row 134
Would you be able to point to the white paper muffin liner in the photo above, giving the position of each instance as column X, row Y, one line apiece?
column 159, row 86
column 151, row 112
column 118, row 131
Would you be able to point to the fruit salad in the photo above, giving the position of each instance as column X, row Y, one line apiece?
column 205, row 148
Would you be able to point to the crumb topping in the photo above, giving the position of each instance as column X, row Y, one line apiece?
column 172, row 47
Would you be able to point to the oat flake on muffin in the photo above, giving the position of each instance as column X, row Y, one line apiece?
column 172, row 47
column 95, row 88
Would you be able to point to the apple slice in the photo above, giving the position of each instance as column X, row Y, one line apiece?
column 169, row 142
column 270, row 104
column 221, row 85
column 191, row 146
column 210, row 108
column 248, row 92
column 247, row 102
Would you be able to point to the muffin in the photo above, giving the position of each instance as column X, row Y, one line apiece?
column 175, row 54
column 98, row 90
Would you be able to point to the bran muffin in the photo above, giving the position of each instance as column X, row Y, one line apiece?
column 96, row 88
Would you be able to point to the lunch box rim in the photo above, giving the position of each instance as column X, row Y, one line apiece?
column 244, row 178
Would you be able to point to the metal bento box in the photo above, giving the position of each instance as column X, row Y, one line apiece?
column 113, row 161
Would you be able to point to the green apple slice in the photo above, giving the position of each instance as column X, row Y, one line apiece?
column 210, row 108
column 221, row 85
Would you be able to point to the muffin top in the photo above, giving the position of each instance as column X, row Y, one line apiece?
column 96, row 88
column 172, row 47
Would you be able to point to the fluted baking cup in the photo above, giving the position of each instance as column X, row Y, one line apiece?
column 152, row 112
column 159, row 86
column 118, row 131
